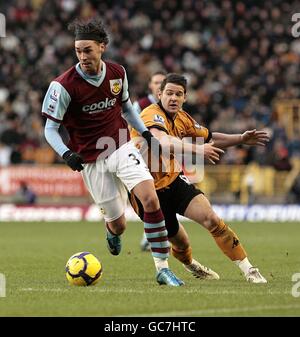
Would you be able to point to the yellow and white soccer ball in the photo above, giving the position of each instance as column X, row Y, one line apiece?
column 83, row 269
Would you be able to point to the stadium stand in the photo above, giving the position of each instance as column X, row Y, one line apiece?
column 239, row 57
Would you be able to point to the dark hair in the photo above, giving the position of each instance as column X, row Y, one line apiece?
column 175, row 79
column 92, row 27
column 159, row 72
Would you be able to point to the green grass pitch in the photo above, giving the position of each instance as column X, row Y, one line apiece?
column 33, row 258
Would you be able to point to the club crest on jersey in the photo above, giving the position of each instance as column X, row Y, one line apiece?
column 115, row 86
column 159, row 119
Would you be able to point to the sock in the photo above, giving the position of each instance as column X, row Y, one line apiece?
column 157, row 236
column 160, row 263
column 184, row 256
column 228, row 242
column 244, row 265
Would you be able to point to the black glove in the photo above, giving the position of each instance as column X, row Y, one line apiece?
column 155, row 142
column 74, row 160
column 148, row 136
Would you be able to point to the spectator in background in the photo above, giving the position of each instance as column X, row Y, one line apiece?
column 25, row 195
column 153, row 86
column 280, row 159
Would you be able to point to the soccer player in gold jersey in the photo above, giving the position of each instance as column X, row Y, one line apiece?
column 170, row 124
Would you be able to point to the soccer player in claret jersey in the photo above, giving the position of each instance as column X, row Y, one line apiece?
column 91, row 101
column 170, row 124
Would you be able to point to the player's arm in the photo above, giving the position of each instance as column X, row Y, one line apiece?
column 53, row 137
column 176, row 145
column 131, row 116
column 136, row 107
column 135, row 121
column 54, row 107
column 249, row 137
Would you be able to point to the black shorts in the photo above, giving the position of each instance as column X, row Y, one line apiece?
column 173, row 200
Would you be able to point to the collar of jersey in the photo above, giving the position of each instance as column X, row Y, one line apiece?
column 95, row 80
column 166, row 113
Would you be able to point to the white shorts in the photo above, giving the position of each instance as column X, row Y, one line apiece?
column 108, row 179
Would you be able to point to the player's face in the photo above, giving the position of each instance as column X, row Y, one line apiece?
column 155, row 83
column 172, row 98
column 89, row 54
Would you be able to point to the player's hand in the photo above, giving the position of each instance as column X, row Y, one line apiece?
column 152, row 141
column 253, row 137
column 74, row 160
column 212, row 153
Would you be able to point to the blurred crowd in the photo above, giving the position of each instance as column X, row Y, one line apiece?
column 239, row 57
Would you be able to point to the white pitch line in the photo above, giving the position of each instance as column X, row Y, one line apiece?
column 201, row 312
column 159, row 290
column 43, row 289
column 216, row 311
column 88, row 289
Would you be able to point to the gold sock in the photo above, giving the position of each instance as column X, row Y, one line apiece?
column 184, row 256
column 228, row 242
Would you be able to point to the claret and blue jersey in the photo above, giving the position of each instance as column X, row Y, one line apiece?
column 89, row 107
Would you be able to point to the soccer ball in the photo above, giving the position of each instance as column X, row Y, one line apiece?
column 83, row 269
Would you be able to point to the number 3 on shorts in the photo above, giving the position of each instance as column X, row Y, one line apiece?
column 132, row 155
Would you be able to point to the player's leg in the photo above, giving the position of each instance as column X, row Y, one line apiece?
column 180, row 244
column 172, row 200
column 133, row 172
column 111, row 197
column 156, row 232
column 113, row 234
column 113, row 212
column 182, row 251
column 145, row 245
column 200, row 210
column 138, row 208
column 177, row 235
